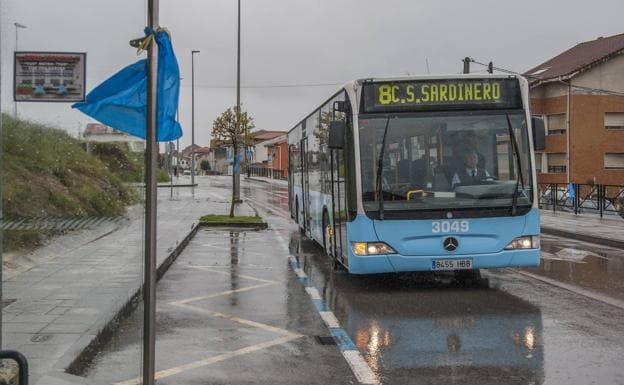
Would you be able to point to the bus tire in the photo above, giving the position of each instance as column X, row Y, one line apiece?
column 296, row 210
column 326, row 245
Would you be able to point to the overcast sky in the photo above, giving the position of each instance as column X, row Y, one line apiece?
column 289, row 47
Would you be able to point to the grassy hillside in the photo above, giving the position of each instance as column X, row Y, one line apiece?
column 47, row 173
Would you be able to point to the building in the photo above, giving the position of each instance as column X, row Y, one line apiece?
column 580, row 95
column 96, row 132
column 260, row 151
column 277, row 149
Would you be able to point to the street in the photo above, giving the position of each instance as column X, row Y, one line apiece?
column 233, row 310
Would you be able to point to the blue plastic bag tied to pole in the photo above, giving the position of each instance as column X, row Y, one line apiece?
column 121, row 101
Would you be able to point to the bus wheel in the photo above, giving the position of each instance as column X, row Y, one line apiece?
column 297, row 211
column 326, row 236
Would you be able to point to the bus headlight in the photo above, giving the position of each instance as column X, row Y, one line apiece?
column 372, row 248
column 526, row 242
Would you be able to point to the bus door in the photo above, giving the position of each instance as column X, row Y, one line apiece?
column 339, row 203
column 305, row 183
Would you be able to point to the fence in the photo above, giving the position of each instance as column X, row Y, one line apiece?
column 266, row 172
column 579, row 198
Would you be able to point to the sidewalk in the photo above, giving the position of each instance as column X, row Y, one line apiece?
column 584, row 227
column 278, row 182
column 62, row 304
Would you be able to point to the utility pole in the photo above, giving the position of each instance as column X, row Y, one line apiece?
column 466, row 65
column 193, row 52
column 235, row 150
column 149, row 283
column 18, row 26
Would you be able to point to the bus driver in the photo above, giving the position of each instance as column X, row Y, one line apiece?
column 471, row 173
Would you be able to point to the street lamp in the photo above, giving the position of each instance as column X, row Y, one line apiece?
column 237, row 174
column 18, row 26
column 193, row 52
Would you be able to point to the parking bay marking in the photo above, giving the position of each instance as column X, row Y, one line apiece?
column 287, row 336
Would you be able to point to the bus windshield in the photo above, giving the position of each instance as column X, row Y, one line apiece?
column 455, row 161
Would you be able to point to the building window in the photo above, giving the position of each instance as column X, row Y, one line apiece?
column 538, row 162
column 614, row 120
column 614, row 161
column 557, row 163
column 556, row 124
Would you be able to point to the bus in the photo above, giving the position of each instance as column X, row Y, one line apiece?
column 420, row 174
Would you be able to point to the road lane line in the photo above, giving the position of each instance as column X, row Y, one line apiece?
column 574, row 289
column 229, row 273
column 349, row 351
column 330, row 319
column 212, row 360
column 185, row 301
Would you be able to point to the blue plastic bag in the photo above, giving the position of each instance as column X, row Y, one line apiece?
column 121, row 101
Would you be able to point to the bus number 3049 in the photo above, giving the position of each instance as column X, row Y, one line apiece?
column 450, row 227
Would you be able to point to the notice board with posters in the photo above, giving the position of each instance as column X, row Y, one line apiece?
column 49, row 76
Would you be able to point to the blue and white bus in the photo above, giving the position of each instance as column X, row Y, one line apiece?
column 420, row 174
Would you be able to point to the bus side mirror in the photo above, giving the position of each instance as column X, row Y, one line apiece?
column 336, row 134
column 539, row 134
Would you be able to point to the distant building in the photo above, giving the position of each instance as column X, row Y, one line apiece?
column 580, row 95
column 96, row 132
column 277, row 149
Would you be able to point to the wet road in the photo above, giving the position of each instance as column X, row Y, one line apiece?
column 514, row 329
column 410, row 329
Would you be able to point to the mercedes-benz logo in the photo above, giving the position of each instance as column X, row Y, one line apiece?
column 450, row 244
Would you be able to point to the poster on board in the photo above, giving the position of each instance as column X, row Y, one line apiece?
column 49, row 76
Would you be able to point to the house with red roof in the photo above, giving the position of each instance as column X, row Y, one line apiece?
column 580, row 95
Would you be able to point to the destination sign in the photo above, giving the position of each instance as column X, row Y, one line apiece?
column 441, row 94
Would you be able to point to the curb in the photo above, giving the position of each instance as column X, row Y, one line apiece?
column 72, row 364
column 583, row 237
column 242, row 225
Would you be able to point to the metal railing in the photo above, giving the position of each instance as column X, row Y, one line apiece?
column 582, row 198
column 267, row 172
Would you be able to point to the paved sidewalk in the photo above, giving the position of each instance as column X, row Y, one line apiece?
column 585, row 227
column 278, row 182
column 61, row 303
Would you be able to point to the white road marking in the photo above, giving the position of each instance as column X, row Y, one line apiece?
column 227, row 292
column 577, row 290
column 360, row 367
column 209, row 361
column 330, row 319
column 314, row 294
column 212, row 270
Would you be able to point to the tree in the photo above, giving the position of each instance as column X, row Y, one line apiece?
column 233, row 132
column 205, row 165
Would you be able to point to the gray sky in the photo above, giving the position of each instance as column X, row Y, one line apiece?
column 292, row 42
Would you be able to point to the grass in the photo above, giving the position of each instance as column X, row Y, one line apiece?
column 48, row 173
column 242, row 219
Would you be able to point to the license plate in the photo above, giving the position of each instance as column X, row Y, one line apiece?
column 451, row 264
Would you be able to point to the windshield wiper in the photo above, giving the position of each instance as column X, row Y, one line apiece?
column 379, row 181
column 512, row 137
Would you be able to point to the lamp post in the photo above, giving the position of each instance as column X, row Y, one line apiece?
column 193, row 52
column 237, row 173
column 18, row 26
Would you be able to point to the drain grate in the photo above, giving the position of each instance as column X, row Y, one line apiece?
column 325, row 340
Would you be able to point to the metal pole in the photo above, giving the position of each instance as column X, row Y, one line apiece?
column 237, row 174
column 193, row 117
column 466, row 65
column 149, row 290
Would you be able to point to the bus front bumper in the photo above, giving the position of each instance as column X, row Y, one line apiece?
column 394, row 263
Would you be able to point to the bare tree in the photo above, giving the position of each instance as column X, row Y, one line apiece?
column 228, row 131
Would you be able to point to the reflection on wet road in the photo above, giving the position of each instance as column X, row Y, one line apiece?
column 417, row 329
column 594, row 267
